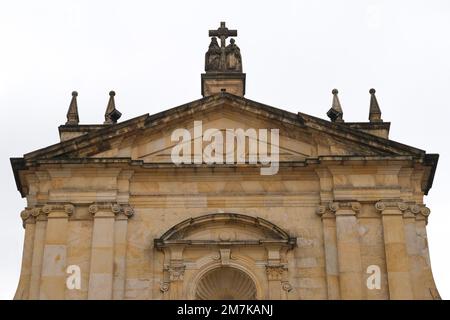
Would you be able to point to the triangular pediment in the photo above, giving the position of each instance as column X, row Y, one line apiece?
column 149, row 138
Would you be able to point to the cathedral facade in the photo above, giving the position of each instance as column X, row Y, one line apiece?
column 226, row 198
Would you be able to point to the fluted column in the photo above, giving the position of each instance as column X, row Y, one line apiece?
column 53, row 276
column 348, row 248
column 397, row 263
column 330, row 246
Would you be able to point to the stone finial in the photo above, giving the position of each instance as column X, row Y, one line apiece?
column 72, row 113
column 374, row 110
column 335, row 113
column 112, row 114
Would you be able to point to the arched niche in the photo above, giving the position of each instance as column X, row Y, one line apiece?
column 203, row 249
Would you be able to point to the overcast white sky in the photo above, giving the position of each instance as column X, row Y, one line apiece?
column 152, row 54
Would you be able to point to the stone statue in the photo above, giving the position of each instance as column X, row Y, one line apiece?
column 212, row 56
column 233, row 57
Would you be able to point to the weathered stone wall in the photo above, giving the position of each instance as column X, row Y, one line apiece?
column 345, row 217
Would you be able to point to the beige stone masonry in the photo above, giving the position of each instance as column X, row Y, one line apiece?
column 331, row 254
column 38, row 252
column 348, row 247
column 53, row 276
column 397, row 262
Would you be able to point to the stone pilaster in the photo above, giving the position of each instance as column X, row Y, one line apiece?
column 120, row 251
column 102, row 252
column 429, row 290
column 176, row 275
column 174, row 268
column 348, row 249
column 53, row 275
column 274, row 277
column 412, row 248
column 38, row 252
column 330, row 246
column 276, row 270
column 29, row 224
column 397, row 264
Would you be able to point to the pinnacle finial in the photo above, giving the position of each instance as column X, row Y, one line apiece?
column 335, row 113
column 112, row 114
column 72, row 113
column 374, row 109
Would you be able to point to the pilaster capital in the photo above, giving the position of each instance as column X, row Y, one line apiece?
column 27, row 216
column 38, row 214
column 324, row 211
column 176, row 270
column 58, row 210
column 275, row 271
column 111, row 209
column 345, row 207
column 333, row 208
column 391, row 207
column 425, row 211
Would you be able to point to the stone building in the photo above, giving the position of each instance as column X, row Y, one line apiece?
column 341, row 217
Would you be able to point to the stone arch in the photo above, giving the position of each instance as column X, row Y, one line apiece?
column 180, row 232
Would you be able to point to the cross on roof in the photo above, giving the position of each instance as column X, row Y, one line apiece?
column 223, row 32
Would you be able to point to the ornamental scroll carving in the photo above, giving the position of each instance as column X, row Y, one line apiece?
column 30, row 215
